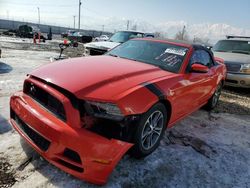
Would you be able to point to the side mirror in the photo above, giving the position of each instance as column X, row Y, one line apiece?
column 198, row 68
column 210, row 47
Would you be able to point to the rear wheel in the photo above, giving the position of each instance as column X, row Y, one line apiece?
column 213, row 101
column 150, row 130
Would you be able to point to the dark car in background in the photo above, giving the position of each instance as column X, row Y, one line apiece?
column 25, row 31
column 81, row 37
column 235, row 50
column 67, row 33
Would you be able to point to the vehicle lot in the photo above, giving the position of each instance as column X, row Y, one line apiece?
column 203, row 150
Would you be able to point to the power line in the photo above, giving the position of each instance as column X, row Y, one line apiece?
column 40, row 4
column 30, row 5
column 93, row 11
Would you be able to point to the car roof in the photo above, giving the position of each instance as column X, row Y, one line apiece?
column 131, row 31
column 239, row 39
column 178, row 43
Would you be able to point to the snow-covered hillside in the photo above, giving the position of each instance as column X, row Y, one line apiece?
column 210, row 31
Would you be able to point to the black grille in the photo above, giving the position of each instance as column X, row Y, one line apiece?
column 48, row 101
column 233, row 67
column 232, row 81
column 70, row 166
column 36, row 138
column 72, row 155
column 94, row 51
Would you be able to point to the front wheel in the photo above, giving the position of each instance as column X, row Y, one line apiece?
column 150, row 130
column 213, row 101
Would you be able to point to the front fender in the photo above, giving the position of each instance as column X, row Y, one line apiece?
column 137, row 100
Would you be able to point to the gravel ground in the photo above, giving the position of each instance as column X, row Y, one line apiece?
column 7, row 178
column 206, row 149
column 234, row 101
column 27, row 44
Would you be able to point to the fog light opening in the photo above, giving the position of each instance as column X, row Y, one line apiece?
column 242, row 82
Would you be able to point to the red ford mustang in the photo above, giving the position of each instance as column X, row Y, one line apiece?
column 84, row 114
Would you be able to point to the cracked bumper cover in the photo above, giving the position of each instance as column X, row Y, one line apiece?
column 98, row 155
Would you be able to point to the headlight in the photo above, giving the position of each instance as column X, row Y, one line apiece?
column 245, row 68
column 104, row 110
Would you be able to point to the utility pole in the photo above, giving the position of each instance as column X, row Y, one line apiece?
column 74, row 21
column 183, row 32
column 127, row 24
column 38, row 16
column 79, row 19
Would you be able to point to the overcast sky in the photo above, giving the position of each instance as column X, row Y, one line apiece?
column 96, row 12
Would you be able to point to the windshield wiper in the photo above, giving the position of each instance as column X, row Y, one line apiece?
column 220, row 51
column 113, row 55
column 240, row 52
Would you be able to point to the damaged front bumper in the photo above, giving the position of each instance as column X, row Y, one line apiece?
column 75, row 150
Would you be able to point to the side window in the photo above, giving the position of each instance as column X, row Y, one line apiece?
column 138, row 35
column 202, row 57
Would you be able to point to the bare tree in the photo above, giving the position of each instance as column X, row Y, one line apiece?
column 182, row 35
column 160, row 35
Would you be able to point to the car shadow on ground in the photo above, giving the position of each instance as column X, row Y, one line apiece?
column 4, row 125
column 5, row 68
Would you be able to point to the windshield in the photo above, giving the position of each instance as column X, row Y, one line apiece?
column 234, row 46
column 163, row 55
column 123, row 36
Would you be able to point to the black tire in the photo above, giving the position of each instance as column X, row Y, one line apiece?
column 213, row 101
column 145, row 133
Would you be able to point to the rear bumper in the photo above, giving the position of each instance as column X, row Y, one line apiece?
column 75, row 150
column 238, row 80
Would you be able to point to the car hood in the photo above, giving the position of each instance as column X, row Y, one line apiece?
column 99, row 77
column 233, row 57
column 104, row 45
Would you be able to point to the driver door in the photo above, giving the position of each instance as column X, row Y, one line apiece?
column 196, row 87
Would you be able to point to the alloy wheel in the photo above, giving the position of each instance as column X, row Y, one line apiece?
column 152, row 130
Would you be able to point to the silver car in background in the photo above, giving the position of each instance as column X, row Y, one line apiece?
column 235, row 50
